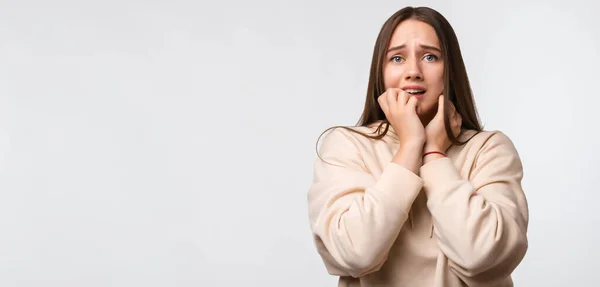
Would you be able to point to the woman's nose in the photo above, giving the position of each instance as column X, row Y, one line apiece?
column 413, row 71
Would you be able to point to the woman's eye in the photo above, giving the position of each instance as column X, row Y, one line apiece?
column 431, row 57
column 396, row 59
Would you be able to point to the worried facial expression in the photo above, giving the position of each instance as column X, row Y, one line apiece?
column 414, row 63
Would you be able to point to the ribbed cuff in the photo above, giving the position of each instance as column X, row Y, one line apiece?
column 400, row 185
column 438, row 175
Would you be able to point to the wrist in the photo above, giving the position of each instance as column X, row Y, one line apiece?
column 428, row 153
column 429, row 148
column 413, row 144
column 440, row 145
column 432, row 155
column 409, row 155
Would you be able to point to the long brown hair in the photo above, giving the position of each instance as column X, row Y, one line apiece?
column 457, row 88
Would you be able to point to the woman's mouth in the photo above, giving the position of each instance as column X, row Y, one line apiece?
column 417, row 93
column 414, row 90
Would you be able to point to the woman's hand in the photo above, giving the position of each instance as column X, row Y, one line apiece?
column 436, row 137
column 400, row 109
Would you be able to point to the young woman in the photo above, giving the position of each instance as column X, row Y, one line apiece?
column 417, row 194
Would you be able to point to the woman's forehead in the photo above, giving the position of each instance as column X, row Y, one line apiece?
column 414, row 31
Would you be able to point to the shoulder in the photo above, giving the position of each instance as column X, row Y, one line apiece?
column 346, row 146
column 348, row 136
column 493, row 146
column 487, row 139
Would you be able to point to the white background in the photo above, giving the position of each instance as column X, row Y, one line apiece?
column 171, row 143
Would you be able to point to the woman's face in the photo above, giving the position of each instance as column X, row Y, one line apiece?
column 414, row 63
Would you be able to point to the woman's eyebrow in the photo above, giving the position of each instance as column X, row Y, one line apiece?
column 425, row 47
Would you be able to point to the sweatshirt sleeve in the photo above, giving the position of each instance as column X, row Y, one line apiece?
column 481, row 223
column 355, row 217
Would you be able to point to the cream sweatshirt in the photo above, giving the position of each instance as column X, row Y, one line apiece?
column 461, row 221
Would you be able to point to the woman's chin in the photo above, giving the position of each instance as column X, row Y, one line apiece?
column 422, row 108
column 426, row 113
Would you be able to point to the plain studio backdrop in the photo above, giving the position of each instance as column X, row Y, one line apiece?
column 171, row 143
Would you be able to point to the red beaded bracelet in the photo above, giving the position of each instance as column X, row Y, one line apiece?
column 433, row 152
